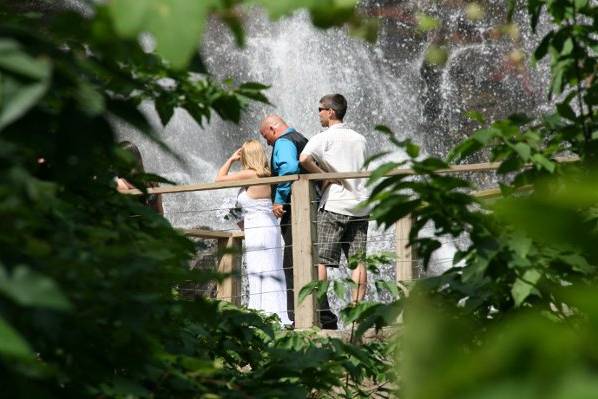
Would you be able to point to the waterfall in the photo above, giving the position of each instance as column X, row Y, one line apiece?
column 388, row 82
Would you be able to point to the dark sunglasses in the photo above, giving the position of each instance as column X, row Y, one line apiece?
column 320, row 109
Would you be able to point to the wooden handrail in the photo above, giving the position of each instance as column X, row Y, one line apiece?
column 201, row 233
column 215, row 186
column 475, row 167
column 479, row 167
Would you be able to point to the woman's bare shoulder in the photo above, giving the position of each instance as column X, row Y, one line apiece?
column 240, row 175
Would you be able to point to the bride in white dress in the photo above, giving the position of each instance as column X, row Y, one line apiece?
column 263, row 242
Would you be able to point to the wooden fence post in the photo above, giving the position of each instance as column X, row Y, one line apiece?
column 304, row 262
column 230, row 288
column 405, row 264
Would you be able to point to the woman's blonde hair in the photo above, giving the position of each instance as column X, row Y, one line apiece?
column 253, row 157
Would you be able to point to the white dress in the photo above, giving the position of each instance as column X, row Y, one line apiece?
column 263, row 256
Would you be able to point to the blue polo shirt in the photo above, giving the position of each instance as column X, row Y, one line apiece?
column 285, row 161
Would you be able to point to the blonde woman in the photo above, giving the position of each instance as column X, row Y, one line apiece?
column 263, row 243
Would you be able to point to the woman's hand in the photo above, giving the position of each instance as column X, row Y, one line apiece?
column 223, row 171
column 236, row 156
column 122, row 186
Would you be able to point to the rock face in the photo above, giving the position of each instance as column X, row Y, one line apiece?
column 205, row 259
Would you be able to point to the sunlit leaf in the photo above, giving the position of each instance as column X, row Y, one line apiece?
column 11, row 342
column 525, row 286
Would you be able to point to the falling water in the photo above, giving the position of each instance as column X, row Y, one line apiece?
column 388, row 82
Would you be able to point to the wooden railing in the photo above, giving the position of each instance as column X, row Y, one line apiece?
column 303, row 231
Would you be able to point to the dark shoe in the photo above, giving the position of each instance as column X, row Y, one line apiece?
column 289, row 327
column 329, row 325
column 328, row 320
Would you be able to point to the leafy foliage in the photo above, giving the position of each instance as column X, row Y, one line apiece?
column 525, row 284
column 88, row 277
column 87, row 304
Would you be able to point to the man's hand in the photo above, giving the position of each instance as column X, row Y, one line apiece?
column 326, row 183
column 277, row 210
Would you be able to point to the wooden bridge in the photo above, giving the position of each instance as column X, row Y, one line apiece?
column 303, row 231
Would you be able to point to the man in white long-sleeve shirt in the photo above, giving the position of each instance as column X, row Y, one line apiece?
column 342, row 224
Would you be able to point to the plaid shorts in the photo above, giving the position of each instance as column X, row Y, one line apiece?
column 336, row 232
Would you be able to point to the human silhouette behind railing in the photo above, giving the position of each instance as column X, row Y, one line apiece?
column 153, row 201
column 263, row 241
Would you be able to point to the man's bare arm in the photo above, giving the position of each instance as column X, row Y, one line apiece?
column 309, row 164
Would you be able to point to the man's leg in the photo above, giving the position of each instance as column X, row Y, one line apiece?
column 360, row 277
column 287, row 261
column 356, row 234
column 329, row 252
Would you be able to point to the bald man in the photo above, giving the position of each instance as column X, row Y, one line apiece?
column 287, row 143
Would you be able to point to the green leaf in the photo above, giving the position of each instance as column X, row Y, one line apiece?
column 307, row 290
column 339, row 288
column 557, row 81
column 483, row 136
column 464, row 149
column 567, row 47
column 229, row 107
column 253, row 86
column 566, row 111
column 542, row 48
column 16, row 61
column 322, row 289
column 29, row 288
column 520, row 244
column 375, row 157
column 19, row 98
column 23, row 81
column 165, row 108
column 129, row 16
column 523, row 150
column 544, row 162
column 525, row 286
column 579, row 4
column 384, row 285
column 381, row 171
column 91, row 101
column 476, row 116
column 384, row 129
column 412, row 149
column 534, row 7
column 11, row 342
column 176, row 25
column 234, row 21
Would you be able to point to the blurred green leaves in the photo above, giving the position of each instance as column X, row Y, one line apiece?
column 12, row 344
column 29, row 288
column 176, row 25
column 23, row 80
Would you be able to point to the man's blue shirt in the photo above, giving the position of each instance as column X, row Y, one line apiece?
column 285, row 161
